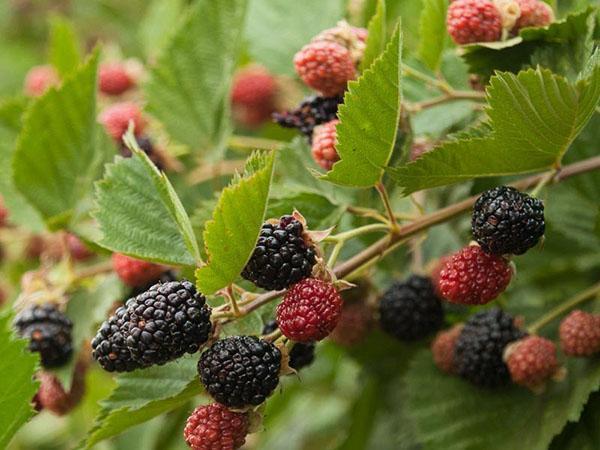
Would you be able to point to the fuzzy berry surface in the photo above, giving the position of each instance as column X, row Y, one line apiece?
column 480, row 347
column 534, row 13
column 325, row 66
column 531, row 361
column 323, row 145
column 580, row 334
column 281, row 257
column 240, row 371
column 302, row 354
column 470, row 21
column 473, row 277
column 354, row 324
column 410, row 310
column 310, row 310
column 311, row 112
column 48, row 331
column 135, row 272
column 39, row 79
column 214, row 427
column 506, row 221
column 443, row 347
column 113, row 79
column 115, row 119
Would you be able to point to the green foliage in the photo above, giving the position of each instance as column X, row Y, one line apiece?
column 377, row 36
column 231, row 235
column 368, row 121
column 563, row 47
column 536, row 112
column 140, row 215
column 189, row 86
column 157, row 25
column 277, row 29
column 432, row 31
column 318, row 210
column 56, row 157
column 144, row 394
column 64, row 46
column 455, row 414
column 17, row 367
column 583, row 435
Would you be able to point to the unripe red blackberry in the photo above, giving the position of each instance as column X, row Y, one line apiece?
column 580, row 334
column 470, row 21
column 302, row 354
column 473, row 277
column 352, row 38
column 116, row 118
column 323, row 145
column 310, row 310
column 312, row 111
column 49, row 333
column 282, row 255
column 3, row 213
column 135, row 272
column 156, row 326
column 253, row 96
column 214, row 427
column 534, row 13
column 114, row 79
column 410, row 310
column 240, row 371
column 354, row 324
column 325, row 66
column 531, row 361
column 77, row 249
column 39, row 79
column 443, row 347
column 480, row 347
column 506, row 221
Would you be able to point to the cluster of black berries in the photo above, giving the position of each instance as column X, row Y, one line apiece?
column 282, row 255
column 506, row 221
column 410, row 309
column 313, row 111
column 48, row 331
column 157, row 326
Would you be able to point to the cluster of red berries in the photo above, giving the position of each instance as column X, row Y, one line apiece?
column 470, row 21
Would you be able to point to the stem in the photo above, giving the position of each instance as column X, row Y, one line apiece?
column 273, row 336
column 388, row 206
column 442, row 85
column 232, row 301
column 449, row 97
column 374, row 214
column 387, row 244
column 92, row 271
column 564, row 307
column 335, row 253
column 543, row 182
column 346, row 235
column 253, row 143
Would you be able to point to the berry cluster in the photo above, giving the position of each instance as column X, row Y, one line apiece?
column 470, row 21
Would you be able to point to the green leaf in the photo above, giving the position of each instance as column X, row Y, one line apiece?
column 64, row 46
column 585, row 434
column 189, row 87
column 318, row 210
column 156, row 28
column 140, row 216
column 144, row 394
column 17, row 386
column 534, row 116
column 296, row 24
column 368, row 121
column 231, row 235
column 432, row 33
column 377, row 36
column 562, row 47
column 56, row 157
column 458, row 415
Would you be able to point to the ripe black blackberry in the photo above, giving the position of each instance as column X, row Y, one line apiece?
column 157, row 326
column 240, row 371
column 282, row 257
column 49, row 333
column 147, row 146
column 301, row 354
column 109, row 347
column 506, row 221
column 313, row 111
column 410, row 310
column 480, row 347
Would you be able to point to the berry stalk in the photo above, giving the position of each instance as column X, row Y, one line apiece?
column 567, row 305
